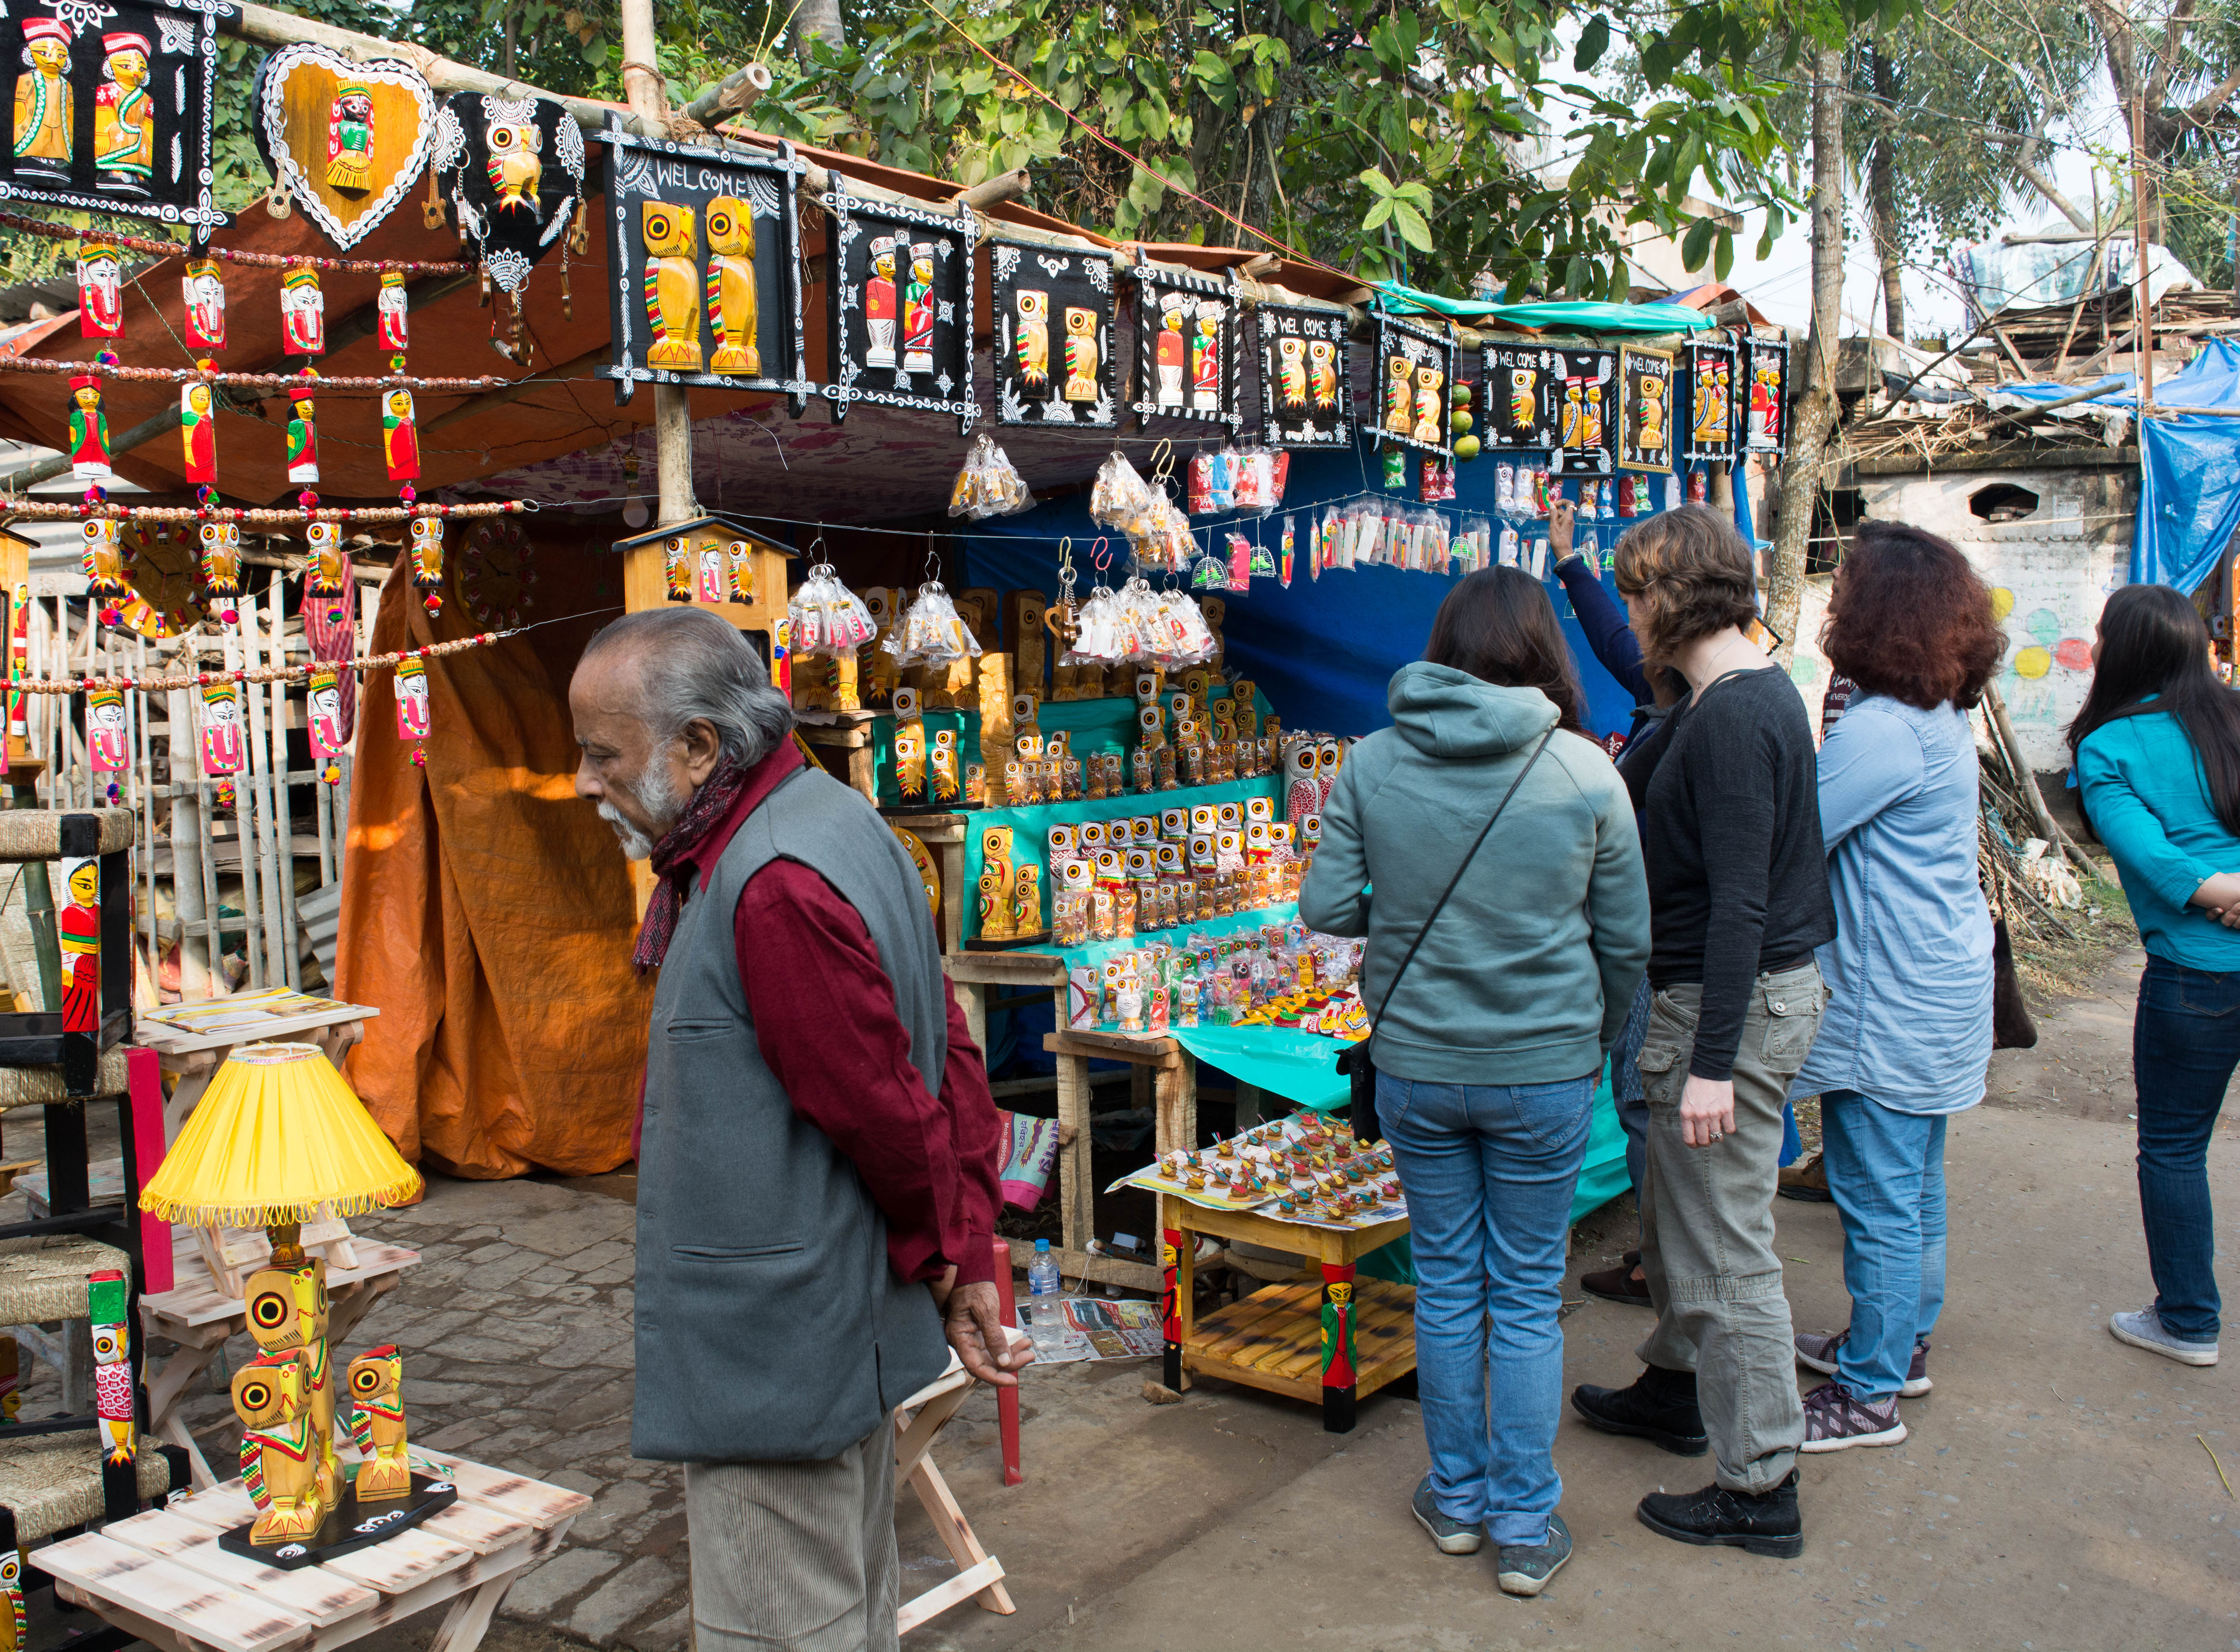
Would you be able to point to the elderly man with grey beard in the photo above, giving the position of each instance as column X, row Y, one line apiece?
column 818, row 1149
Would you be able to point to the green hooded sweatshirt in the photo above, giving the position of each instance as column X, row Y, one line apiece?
column 1528, row 974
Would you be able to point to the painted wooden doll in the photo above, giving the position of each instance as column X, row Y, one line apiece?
column 672, row 284
column 78, row 928
column 222, row 566
column 89, row 430
column 1206, row 365
column 350, row 138
column 279, row 1449
column 43, row 129
column 879, row 309
column 1291, row 372
column 427, row 561
column 303, row 435
column 376, row 1382
column 198, row 435
column 326, row 581
column 1171, row 351
column 1649, row 434
column 1026, row 899
column 303, row 313
column 948, row 776
column 918, row 311
column 400, row 437
column 391, row 306
column 676, row 566
column 221, row 729
column 910, row 749
column 108, row 748
column 1431, row 402
column 101, row 560
column 325, row 706
column 1031, row 343
column 14, row 1626
column 202, row 287
column 111, row 1325
column 1081, row 355
column 1399, row 395
column 734, row 306
column 1321, row 372
column 100, row 290
column 125, row 117
column 411, row 700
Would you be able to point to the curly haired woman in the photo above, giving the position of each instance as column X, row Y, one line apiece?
column 1907, row 1035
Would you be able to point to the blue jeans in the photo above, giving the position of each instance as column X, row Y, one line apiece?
column 1886, row 1170
column 1489, row 1171
column 2185, row 1042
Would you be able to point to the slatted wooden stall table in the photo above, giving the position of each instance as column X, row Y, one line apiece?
column 1281, row 1339
column 161, row 1575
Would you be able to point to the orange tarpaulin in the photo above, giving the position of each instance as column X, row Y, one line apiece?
column 485, row 910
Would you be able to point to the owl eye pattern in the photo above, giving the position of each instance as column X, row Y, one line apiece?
column 107, row 1346
column 11, row 1570
column 368, row 1381
column 501, row 139
column 269, row 1310
column 255, row 1396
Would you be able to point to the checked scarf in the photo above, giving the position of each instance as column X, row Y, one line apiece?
column 710, row 805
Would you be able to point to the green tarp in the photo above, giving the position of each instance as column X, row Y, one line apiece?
column 1553, row 316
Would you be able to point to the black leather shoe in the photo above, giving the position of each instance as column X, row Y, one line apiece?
column 1660, row 1407
column 1768, row 1525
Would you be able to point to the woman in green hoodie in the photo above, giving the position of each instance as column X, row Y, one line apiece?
column 1487, row 1047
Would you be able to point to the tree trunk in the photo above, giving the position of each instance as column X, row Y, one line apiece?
column 507, row 47
column 1882, row 189
column 817, row 20
column 1813, row 418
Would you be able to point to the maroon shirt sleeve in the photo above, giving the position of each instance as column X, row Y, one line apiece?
column 825, row 1017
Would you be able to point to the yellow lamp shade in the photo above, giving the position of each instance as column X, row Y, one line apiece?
column 276, row 1136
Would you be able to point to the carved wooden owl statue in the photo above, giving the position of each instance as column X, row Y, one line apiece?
column 515, row 163
column 1032, row 344
column 947, row 776
column 377, row 1385
column 1082, row 355
column 672, row 285
column 734, row 306
column 1303, row 792
column 279, row 1448
column 910, row 761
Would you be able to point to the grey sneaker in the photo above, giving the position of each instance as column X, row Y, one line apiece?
column 2144, row 1329
column 1837, row 1419
column 1819, row 1353
column 1525, row 1570
column 1452, row 1537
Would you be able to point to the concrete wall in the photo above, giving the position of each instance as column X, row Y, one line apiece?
column 2049, row 571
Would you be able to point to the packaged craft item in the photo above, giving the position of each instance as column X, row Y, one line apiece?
column 988, row 485
column 1120, row 499
column 929, row 631
column 828, row 618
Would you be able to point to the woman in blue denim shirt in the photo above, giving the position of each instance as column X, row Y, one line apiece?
column 1907, row 1036
column 2157, row 753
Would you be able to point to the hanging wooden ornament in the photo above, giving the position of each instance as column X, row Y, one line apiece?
column 427, row 561
column 304, row 435
column 103, row 564
column 899, row 310
column 1586, row 386
column 221, row 728
column 222, row 568
column 1708, row 434
column 1185, row 347
column 400, row 437
column 100, row 289
column 202, row 287
column 1053, row 352
column 107, row 747
column 1305, row 396
column 1644, row 410
column 303, row 312
column 1414, row 367
column 513, row 170
column 326, row 581
column 88, row 430
column 324, row 700
column 412, row 707
column 113, row 108
column 161, row 566
column 1766, row 428
column 346, row 140
column 391, row 307
column 198, row 431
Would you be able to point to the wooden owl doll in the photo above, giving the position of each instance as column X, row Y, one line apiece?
column 1027, row 900
column 1244, row 697
column 1523, row 402
column 114, row 1406
column 279, row 1449
column 15, row 1629
column 948, row 776
column 1031, row 345
column 377, row 1385
column 1399, row 395
column 101, row 560
column 1081, row 357
column 515, row 166
column 1321, row 372
column 910, row 749
column 734, row 308
column 672, row 285
column 1652, row 432
column 676, row 565
column 1291, row 371
column 1430, row 403
column 287, row 1312
column 995, row 907
column 1303, row 795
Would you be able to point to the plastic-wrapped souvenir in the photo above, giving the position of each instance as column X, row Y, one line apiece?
column 988, row 485
column 929, row 631
column 828, row 618
column 1120, row 498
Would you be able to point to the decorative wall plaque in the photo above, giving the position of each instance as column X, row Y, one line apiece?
column 1516, row 397
column 345, row 141
column 704, row 268
column 1767, row 428
column 1583, row 384
column 900, row 292
column 513, row 169
column 1306, row 395
column 1185, row 347
column 1708, row 385
column 111, row 107
column 1053, row 346
column 1416, row 367
column 1644, row 422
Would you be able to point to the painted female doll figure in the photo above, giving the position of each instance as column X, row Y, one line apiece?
column 879, row 304
column 78, row 925
column 125, row 117
column 918, row 311
column 43, row 127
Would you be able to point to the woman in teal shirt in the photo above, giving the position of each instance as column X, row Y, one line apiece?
column 2158, row 753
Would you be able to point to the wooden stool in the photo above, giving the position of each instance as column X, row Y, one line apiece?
column 918, row 1421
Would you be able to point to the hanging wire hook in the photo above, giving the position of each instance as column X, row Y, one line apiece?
column 932, row 561
column 1100, row 555
column 1065, row 561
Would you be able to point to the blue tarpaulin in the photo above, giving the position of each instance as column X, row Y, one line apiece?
column 2189, row 467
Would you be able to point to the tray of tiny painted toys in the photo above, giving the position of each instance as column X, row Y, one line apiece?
column 1306, row 1170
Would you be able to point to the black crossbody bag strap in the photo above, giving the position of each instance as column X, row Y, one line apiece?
column 1359, row 1062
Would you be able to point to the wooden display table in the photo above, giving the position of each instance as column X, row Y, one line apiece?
column 1332, row 1342
column 161, row 1575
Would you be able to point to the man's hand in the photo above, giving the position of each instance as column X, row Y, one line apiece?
column 973, row 1320
column 1707, row 1110
column 1561, row 512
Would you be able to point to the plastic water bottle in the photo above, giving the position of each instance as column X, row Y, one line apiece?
column 1053, row 1336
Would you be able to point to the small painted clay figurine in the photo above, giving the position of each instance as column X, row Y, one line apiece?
column 303, row 313
column 279, row 1449
column 400, row 437
column 376, row 1381
column 204, row 290
column 89, row 430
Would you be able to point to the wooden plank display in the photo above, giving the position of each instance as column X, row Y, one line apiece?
column 1584, row 385
column 1185, row 347
column 900, row 307
column 1712, row 370
column 1415, row 368
column 1053, row 353
column 513, row 169
column 1645, row 413
column 112, row 106
column 1517, row 396
column 1766, row 429
column 1306, row 390
column 704, row 268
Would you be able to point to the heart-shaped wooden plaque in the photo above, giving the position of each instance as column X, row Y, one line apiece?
column 346, row 140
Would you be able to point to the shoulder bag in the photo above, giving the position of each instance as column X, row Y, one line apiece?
column 1357, row 1061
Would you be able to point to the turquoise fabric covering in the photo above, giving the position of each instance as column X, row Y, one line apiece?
column 1550, row 315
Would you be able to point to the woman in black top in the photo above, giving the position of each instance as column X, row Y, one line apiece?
column 1738, row 900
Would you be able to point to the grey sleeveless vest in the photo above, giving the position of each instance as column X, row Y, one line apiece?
column 770, row 1327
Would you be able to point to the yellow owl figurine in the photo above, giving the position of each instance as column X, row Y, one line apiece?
column 279, row 1449
column 515, row 165
column 995, row 907
column 1650, row 435
column 1430, row 398
column 947, row 774
column 672, row 285
column 1081, row 355
column 909, row 762
column 287, row 1313
column 1399, row 395
column 734, row 307
column 1031, row 345
column 1321, row 372
column 377, row 1390
column 1027, row 900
